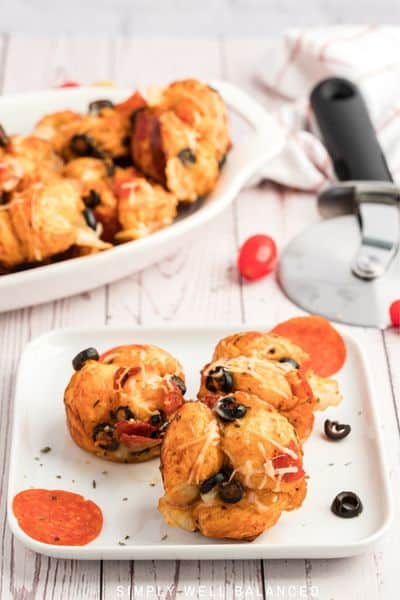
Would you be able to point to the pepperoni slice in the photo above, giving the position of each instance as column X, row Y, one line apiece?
column 57, row 517
column 317, row 337
column 109, row 355
column 135, row 428
column 135, row 435
column 172, row 401
column 131, row 104
column 283, row 461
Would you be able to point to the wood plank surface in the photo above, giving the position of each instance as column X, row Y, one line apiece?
column 197, row 283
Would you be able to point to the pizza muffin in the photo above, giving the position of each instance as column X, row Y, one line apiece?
column 273, row 368
column 118, row 404
column 231, row 470
column 168, row 150
column 202, row 108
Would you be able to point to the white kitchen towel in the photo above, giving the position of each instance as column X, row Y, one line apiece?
column 368, row 55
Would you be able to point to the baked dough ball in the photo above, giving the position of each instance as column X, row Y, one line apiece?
column 143, row 206
column 173, row 154
column 202, row 108
column 27, row 159
column 272, row 347
column 42, row 221
column 230, row 471
column 279, row 384
column 117, row 406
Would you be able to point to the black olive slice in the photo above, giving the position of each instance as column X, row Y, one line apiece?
column 81, row 144
column 110, row 167
column 347, row 505
column 335, row 430
column 179, row 383
column 208, row 484
column 229, row 410
column 103, row 433
column 186, row 156
column 90, row 218
column 97, row 105
column 219, row 380
column 222, row 161
column 123, row 161
column 124, row 413
column 4, row 197
column 290, row 361
column 92, row 199
column 231, row 492
column 83, row 356
column 4, row 139
column 157, row 418
column 226, row 472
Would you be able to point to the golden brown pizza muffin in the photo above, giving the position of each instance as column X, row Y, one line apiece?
column 171, row 152
column 118, row 404
column 230, row 471
column 270, row 346
column 202, row 108
column 45, row 219
column 281, row 385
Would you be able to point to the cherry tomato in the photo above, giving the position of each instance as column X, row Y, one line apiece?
column 394, row 311
column 68, row 84
column 257, row 257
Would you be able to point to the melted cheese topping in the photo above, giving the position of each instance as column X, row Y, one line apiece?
column 260, row 506
column 281, row 471
column 249, row 365
column 211, row 438
column 248, row 470
column 210, row 497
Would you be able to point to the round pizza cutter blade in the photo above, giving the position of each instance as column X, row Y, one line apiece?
column 347, row 268
column 315, row 273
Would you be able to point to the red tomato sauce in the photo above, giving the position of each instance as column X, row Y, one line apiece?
column 57, row 517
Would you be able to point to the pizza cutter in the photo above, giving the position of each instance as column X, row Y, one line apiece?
column 347, row 267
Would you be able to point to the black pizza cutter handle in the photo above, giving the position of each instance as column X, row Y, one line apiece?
column 347, row 131
column 350, row 139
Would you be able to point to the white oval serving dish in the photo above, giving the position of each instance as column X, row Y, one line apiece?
column 19, row 113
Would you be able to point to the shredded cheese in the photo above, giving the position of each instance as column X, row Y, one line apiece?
column 281, row 471
column 249, row 365
column 211, row 439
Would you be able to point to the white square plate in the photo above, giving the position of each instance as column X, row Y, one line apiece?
column 355, row 463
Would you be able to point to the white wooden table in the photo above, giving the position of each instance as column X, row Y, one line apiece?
column 198, row 284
